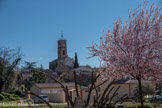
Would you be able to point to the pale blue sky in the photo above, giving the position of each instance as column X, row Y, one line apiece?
column 36, row 25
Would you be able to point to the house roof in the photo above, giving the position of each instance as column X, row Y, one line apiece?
column 52, row 85
column 26, row 75
column 130, row 81
column 83, row 69
column 135, row 81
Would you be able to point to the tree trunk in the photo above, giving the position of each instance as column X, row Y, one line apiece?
column 140, row 91
column 76, row 87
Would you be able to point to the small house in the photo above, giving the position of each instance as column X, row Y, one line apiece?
column 54, row 91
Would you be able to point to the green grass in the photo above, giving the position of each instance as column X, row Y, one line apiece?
column 40, row 106
column 130, row 104
column 16, row 107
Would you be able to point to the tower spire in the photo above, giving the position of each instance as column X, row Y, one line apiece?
column 62, row 34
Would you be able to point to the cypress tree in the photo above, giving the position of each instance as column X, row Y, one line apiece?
column 76, row 64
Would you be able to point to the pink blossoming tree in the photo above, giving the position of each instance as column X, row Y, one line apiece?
column 133, row 48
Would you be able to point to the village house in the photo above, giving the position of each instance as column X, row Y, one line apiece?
column 54, row 91
column 126, row 87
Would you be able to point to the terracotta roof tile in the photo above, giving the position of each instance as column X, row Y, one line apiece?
column 130, row 81
column 52, row 85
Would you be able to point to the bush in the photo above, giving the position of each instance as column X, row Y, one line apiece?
column 147, row 89
column 8, row 97
column 1, row 97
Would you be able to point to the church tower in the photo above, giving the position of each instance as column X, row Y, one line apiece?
column 62, row 48
column 63, row 63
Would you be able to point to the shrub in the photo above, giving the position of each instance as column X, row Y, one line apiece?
column 147, row 89
column 8, row 97
column 1, row 97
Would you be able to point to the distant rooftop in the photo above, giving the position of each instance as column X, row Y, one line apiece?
column 53, row 85
column 130, row 81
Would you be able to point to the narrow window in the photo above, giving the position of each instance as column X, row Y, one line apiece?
column 63, row 52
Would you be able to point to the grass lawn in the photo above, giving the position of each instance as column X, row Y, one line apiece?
column 16, row 105
column 128, row 104
column 40, row 106
column 131, row 104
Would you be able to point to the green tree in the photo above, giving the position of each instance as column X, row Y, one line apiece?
column 147, row 89
column 37, row 76
column 29, row 66
column 9, row 59
column 63, row 78
column 76, row 64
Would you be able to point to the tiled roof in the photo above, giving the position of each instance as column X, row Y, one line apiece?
column 26, row 75
column 135, row 81
column 130, row 81
column 63, row 58
column 52, row 85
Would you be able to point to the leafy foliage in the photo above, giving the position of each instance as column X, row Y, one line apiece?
column 37, row 77
column 20, row 90
column 9, row 59
column 76, row 64
column 29, row 66
column 63, row 78
column 8, row 97
column 147, row 89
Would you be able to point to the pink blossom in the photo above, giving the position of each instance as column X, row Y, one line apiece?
column 135, row 47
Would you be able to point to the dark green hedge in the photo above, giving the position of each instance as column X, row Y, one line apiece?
column 8, row 97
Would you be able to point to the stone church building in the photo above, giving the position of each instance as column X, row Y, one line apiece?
column 63, row 63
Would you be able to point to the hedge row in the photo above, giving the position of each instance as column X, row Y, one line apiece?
column 8, row 97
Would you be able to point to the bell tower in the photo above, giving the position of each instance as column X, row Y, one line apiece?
column 62, row 48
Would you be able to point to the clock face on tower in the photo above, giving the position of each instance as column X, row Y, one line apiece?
column 63, row 45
